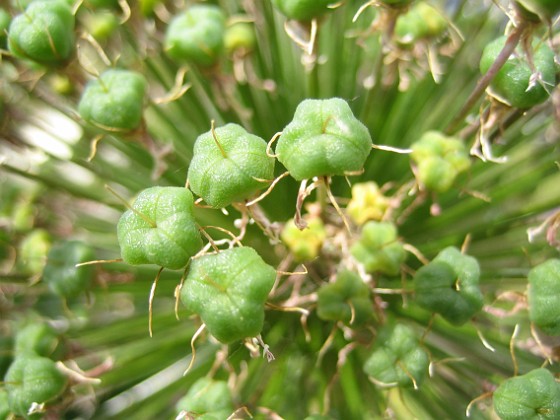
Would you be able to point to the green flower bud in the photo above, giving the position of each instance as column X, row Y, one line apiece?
column 324, row 138
column 196, row 35
column 32, row 379
column 36, row 339
column 33, row 251
column 367, row 203
column 514, row 84
column 228, row 291
column 229, row 165
column 533, row 396
column 44, row 33
column 61, row 274
column 305, row 244
column 544, row 296
column 449, row 286
column 304, row 10
column 160, row 229
column 208, row 399
column 397, row 358
column 347, row 300
column 379, row 248
column 240, row 37
column 114, row 101
column 440, row 159
column 102, row 24
column 421, row 22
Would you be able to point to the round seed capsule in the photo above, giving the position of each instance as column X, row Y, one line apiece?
column 323, row 139
column 421, row 22
column 207, row 398
column 228, row 291
column 114, row 101
column 379, row 248
column 38, row 338
column 44, row 33
column 449, row 286
column 533, row 396
column 397, row 358
column 347, row 300
column 61, row 274
column 229, row 165
column 196, row 35
column 32, row 379
column 514, row 84
column 160, row 228
column 440, row 159
column 544, row 296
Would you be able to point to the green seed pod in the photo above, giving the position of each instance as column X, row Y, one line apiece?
column 207, row 399
column 61, row 274
column 533, row 396
column 305, row 244
column 36, row 339
column 147, row 6
column 440, row 159
column 102, row 24
column 240, row 38
column 229, row 165
column 397, row 358
column 379, row 248
column 33, row 251
column 114, row 101
column 160, row 228
column 367, row 203
column 44, row 33
column 544, row 9
column 304, row 10
column 421, row 22
column 324, row 138
column 544, row 296
column 513, row 84
column 197, row 35
column 32, row 379
column 228, row 291
column 347, row 300
column 449, row 286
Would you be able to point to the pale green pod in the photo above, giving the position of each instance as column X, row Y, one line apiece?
column 323, row 139
column 533, row 396
column 228, row 291
column 160, row 229
column 229, row 165
column 544, row 296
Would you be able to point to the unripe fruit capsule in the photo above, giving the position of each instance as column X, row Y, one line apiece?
column 44, row 33
column 449, row 286
column 228, row 290
column 229, row 165
column 323, row 139
column 115, row 101
column 196, row 35
column 160, row 228
column 544, row 296
column 533, row 396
